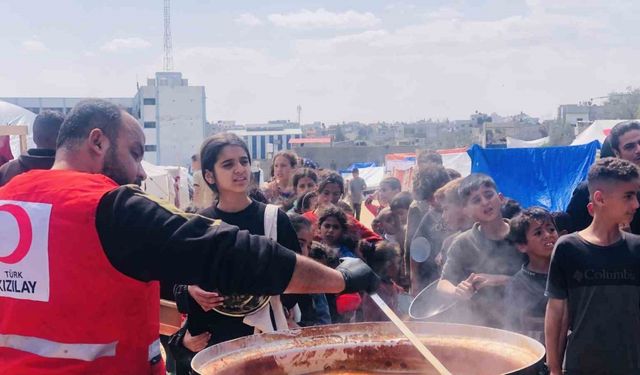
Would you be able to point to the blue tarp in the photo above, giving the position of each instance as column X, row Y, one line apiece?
column 359, row 166
column 543, row 176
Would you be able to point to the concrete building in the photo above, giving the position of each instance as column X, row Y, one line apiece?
column 173, row 116
column 265, row 140
column 571, row 114
column 63, row 105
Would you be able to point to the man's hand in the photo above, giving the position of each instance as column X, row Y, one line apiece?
column 358, row 276
column 206, row 300
column 196, row 343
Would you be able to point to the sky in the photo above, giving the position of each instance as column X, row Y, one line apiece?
column 342, row 60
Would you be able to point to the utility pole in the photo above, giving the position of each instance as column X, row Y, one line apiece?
column 168, row 53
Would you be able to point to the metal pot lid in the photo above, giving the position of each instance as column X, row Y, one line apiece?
column 240, row 305
column 430, row 302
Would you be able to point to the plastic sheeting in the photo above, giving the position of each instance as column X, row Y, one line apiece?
column 161, row 182
column 371, row 175
column 536, row 176
column 361, row 165
column 598, row 130
column 519, row 143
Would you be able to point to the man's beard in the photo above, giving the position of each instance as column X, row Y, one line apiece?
column 114, row 170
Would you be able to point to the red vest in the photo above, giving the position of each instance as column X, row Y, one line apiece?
column 64, row 309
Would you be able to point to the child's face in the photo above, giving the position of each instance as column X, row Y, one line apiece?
column 618, row 201
column 305, row 184
column 541, row 238
column 453, row 215
column 386, row 193
column 232, row 170
column 331, row 231
column 401, row 214
column 330, row 194
column 483, row 205
column 304, row 239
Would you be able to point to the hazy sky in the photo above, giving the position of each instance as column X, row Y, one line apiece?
column 341, row 60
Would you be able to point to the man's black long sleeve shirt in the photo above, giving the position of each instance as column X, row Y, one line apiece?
column 147, row 240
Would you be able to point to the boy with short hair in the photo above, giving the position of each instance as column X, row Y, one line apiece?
column 534, row 233
column 593, row 284
column 481, row 261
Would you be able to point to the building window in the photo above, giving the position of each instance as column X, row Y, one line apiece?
column 149, row 101
column 149, row 124
column 150, row 148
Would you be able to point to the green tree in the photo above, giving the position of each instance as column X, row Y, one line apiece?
column 622, row 105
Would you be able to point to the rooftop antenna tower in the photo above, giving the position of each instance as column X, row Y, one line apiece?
column 168, row 53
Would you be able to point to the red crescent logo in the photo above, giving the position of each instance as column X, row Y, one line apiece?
column 26, row 233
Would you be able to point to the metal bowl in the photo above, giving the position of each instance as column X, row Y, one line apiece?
column 373, row 348
column 239, row 305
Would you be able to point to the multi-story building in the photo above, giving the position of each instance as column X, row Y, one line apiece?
column 173, row 116
column 572, row 114
column 63, row 105
column 264, row 140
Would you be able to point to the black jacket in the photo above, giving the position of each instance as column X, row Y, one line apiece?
column 35, row 158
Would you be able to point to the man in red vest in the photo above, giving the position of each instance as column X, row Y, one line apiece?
column 81, row 253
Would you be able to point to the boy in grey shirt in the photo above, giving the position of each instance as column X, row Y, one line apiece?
column 594, row 279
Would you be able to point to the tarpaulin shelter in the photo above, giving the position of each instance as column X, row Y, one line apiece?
column 543, row 176
column 520, row 143
column 597, row 131
column 402, row 165
column 161, row 182
column 371, row 174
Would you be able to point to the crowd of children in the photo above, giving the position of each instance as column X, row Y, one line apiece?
column 461, row 235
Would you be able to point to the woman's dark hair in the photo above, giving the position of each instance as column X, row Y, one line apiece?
column 318, row 251
column 384, row 253
column 303, row 204
column 289, row 155
column 392, row 182
column 331, row 178
column 402, row 200
column 299, row 222
column 211, row 148
column 302, row 173
column 87, row 115
column 510, row 208
column 333, row 211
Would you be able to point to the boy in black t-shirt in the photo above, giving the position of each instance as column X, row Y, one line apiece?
column 534, row 233
column 594, row 282
column 480, row 260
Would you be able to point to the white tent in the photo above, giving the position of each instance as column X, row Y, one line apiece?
column 161, row 182
column 598, row 130
column 11, row 114
column 519, row 143
column 372, row 176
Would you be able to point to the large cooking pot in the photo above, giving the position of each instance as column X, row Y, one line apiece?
column 373, row 348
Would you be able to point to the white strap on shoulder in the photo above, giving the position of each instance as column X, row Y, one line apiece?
column 271, row 221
